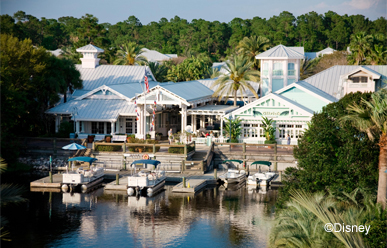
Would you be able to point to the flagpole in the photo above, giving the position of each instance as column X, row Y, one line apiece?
column 145, row 110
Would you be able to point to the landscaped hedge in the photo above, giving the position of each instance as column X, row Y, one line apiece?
column 268, row 142
column 180, row 150
column 102, row 148
column 144, row 148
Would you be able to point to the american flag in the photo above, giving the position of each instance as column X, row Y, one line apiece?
column 146, row 83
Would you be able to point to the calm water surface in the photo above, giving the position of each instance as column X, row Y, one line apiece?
column 213, row 218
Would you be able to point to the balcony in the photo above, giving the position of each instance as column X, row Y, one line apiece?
column 277, row 73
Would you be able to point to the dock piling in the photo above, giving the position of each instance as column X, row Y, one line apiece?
column 50, row 174
column 215, row 174
column 117, row 179
column 184, row 186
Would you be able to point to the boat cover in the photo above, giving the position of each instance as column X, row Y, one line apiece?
column 145, row 161
column 262, row 162
column 83, row 159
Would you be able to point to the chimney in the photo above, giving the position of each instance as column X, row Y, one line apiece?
column 90, row 58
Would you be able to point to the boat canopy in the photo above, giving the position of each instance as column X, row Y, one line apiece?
column 145, row 161
column 231, row 160
column 83, row 159
column 262, row 162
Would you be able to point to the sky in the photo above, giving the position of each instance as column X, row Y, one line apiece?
column 113, row 11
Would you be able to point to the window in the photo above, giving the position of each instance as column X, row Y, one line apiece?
column 94, row 128
column 246, row 125
column 290, row 126
column 265, row 69
column 290, row 81
column 254, row 125
column 264, row 87
column 101, row 126
column 291, row 70
column 129, row 126
column 359, row 80
column 298, row 126
column 277, row 70
column 108, row 127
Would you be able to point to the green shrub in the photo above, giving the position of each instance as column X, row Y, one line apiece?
column 102, row 148
column 267, row 142
column 65, row 129
column 131, row 136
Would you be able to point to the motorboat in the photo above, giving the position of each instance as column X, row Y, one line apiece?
column 261, row 179
column 85, row 178
column 233, row 175
column 147, row 181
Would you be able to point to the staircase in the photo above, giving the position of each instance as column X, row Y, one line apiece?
column 195, row 163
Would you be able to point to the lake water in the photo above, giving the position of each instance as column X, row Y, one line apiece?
column 215, row 217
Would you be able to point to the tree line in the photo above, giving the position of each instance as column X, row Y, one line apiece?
column 178, row 36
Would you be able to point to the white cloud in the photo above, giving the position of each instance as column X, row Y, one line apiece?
column 361, row 4
column 321, row 5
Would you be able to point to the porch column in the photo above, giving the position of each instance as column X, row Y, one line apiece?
column 57, row 123
column 193, row 118
column 77, row 127
column 140, row 121
column 221, row 126
column 202, row 121
column 112, row 128
column 183, row 117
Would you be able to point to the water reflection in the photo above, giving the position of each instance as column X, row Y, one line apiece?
column 215, row 217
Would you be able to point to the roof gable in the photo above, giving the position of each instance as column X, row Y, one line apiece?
column 272, row 105
column 282, row 51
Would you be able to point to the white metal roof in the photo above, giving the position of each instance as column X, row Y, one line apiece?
column 90, row 48
column 282, row 51
column 56, row 52
column 112, row 74
column 212, row 110
column 153, row 55
column 311, row 89
column 329, row 80
column 95, row 110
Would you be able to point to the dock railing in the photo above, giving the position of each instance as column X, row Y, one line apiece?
column 245, row 150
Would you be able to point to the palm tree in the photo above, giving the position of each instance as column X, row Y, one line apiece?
column 377, row 55
column 158, row 70
column 8, row 194
column 253, row 46
column 212, row 73
column 306, row 67
column 129, row 54
column 371, row 117
column 239, row 73
column 360, row 44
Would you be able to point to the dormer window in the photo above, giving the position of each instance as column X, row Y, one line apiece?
column 265, row 69
column 291, row 70
column 359, row 80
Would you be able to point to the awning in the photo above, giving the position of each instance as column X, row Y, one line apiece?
column 212, row 110
column 262, row 162
column 83, row 159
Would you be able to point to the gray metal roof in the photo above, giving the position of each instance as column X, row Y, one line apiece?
column 131, row 89
column 312, row 55
column 153, row 55
column 90, row 48
column 316, row 90
column 329, row 79
column 95, row 110
column 190, row 90
column 112, row 74
column 282, row 51
column 56, row 52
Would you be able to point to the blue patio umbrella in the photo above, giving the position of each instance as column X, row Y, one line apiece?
column 73, row 147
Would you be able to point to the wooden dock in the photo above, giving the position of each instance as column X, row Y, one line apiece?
column 122, row 184
column 45, row 182
column 194, row 186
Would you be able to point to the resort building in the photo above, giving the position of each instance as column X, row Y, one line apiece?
column 155, row 56
column 313, row 55
column 112, row 99
column 280, row 67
